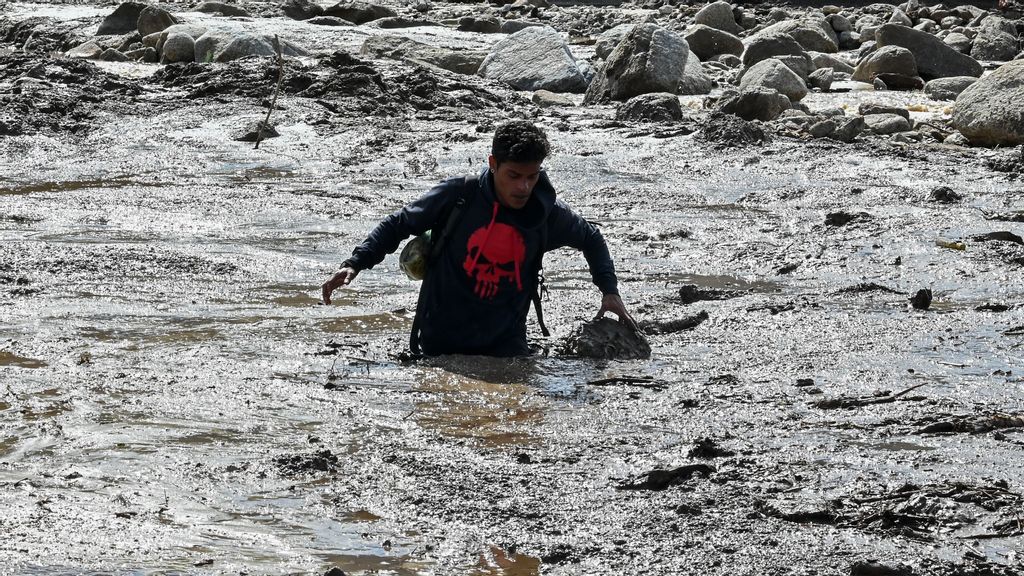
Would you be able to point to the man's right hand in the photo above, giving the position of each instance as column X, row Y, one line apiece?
column 344, row 277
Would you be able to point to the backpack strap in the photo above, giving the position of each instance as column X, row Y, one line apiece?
column 540, row 289
column 470, row 183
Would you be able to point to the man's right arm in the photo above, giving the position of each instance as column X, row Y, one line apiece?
column 414, row 219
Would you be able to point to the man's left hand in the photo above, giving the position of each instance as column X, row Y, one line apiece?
column 612, row 303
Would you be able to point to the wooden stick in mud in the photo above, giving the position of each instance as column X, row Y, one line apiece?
column 277, row 90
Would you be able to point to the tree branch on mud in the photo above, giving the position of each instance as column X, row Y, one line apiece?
column 277, row 90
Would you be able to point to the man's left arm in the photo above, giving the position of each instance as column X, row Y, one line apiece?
column 566, row 228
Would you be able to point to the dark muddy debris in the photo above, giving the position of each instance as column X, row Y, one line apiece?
column 988, row 307
column 839, row 219
column 661, row 479
column 296, row 464
column 673, row 326
column 802, row 514
column 708, row 448
column 922, row 299
column 1006, row 216
column 39, row 35
column 55, row 96
column 865, row 287
column 1011, row 162
column 640, row 381
column 691, row 293
column 774, row 309
column 973, row 424
column 728, row 131
column 873, row 568
column 945, row 195
column 883, row 397
column 999, row 236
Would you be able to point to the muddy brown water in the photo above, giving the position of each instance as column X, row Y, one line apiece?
column 173, row 399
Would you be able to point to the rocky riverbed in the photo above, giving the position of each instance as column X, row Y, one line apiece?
column 815, row 212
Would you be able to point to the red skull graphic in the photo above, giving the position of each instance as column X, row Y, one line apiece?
column 494, row 252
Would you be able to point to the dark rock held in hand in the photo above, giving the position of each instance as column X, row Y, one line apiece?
column 608, row 339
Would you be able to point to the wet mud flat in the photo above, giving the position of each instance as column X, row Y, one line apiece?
column 174, row 400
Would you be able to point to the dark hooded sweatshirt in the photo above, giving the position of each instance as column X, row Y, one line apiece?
column 476, row 296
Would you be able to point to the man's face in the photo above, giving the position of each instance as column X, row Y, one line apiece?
column 514, row 181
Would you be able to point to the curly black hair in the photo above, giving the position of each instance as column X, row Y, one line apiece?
column 519, row 141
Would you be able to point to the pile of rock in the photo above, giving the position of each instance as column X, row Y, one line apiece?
column 769, row 57
column 142, row 32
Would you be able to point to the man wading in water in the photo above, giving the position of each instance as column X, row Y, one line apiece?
column 489, row 233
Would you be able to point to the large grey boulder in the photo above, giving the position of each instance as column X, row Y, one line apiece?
column 959, row 42
column 886, row 60
column 89, row 50
column 847, row 128
column 756, row 103
column 695, row 79
column 195, row 31
column 822, row 79
column 123, row 20
column 359, row 12
column 400, row 48
column 153, row 19
column 822, row 60
column 886, row 123
column 948, row 88
column 996, row 40
column 178, row 47
column 774, row 75
column 989, row 112
column 770, row 46
column 649, row 59
column 534, row 58
column 935, row 59
column 609, row 39
column 707, row 42
column 812, row 34
column 718, row 15
column 653, row 107
column 224, row 45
